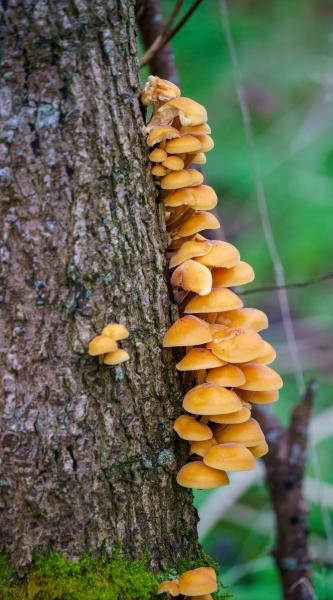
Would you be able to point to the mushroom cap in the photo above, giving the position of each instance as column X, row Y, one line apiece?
column 199, row 159
column 188, row 250
column 241, row 274
column 260, row 378
column 260, row 397
column 210, row 399
column 158, row 155
column 175, row 163
column 200, row 197
column 160, row 133
column 251, row 318
column 198, row 581
column 159, row 171
column 215, row 301
column 187, row 331
column 197, row 475
column 180, row 179
column 260, row 450
column 229, row 457
column 201, row 447
column 116, row 331
column 185, row 143
column 157, row 89
column 198, row 221
column 192, row 277
column 239, row 416
column 196, row 129
column 236, row 345
column 222, row 254
column 201, row 597
column 197, row 359
column 248, row 433
column 207, row 143
column 268, row 356
column 228, row 376
column 169, row 587
column 116, row 357
column 189, row 429
column 187, row 110
column 101, row 344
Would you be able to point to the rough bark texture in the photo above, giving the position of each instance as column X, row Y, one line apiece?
column 88, row 453
column 285, row 464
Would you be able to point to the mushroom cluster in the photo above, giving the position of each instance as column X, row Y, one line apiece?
column 105, row 345
column 226, row 356
column 196, row 584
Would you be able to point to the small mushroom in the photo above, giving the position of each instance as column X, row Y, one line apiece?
column 101, row 344
column 197, row 475
column 260, row 378
column 187, row 331
column 227, row 376
column 187, row 110
column 116, row 357
column 198, row 581
column 116, row 331
column 260, row 450
column 159, row 171
column 207, row 143
column 210, row 399
column 198, row 221
column 236, row 345
column 260, row 397
column 267, row 356
column 187, row 251
column 171, row 588
column 183, row 145
column 158, row 90
column 249, row 318
column 239, row 416
column 174, row 163
column 158, row 155
column 200, row 197
column 229, row 457
column 201, row 447
column 180, row 179
column 248, row 433
column 158, row 134
column 189, row 429
column 199, row 358
column 196, row 129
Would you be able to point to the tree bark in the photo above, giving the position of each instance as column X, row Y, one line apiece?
column 88, row 452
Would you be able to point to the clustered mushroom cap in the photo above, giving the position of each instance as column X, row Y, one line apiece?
column 116, row 357
column 199, row 358
column 240, row 274
column 228, row 376
column 259, row 450
column 200, row 197
column 158, row 134
column 193, row 277
column 198, row 581
column 268, row 356
column 199, row 448
column 190, row 429
column 196, row 129
column 187, row 251
column 260, row 397
column 222, row 254
column 169, row 587
column 187, row 110
column 229, row 457
column 158, row 155
column 101, row 344
column 248, row 433
column 198, row 221
column 216, row 300
column 184, row 144
column 180, row 179
column 260, row 378
column 236, row 345
column 248, row 318
column 210, row 399
column 157, row 89
column 175, row 163
column 198, row 476
column 159, row 170
column 239, row 416
column 187, row 331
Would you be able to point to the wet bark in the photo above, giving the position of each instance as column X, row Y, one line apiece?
column 88, row 453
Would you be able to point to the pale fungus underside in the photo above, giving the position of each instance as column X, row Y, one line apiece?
column 225, row 353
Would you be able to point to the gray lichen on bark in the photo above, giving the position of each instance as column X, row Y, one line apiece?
column 88, row 453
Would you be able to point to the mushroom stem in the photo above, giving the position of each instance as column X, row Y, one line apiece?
column 180, row 220
column 211, row 317
column 204, row 420
column 200, row 376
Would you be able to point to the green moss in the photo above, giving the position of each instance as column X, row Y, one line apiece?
column 55, row 577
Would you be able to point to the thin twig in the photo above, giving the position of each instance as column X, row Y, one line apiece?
column 156, row 47
column 289, row 286
column 157, row 43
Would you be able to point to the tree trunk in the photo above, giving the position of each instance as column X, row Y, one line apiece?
column 88, row 453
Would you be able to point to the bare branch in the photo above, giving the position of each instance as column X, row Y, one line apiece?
column 289, row 286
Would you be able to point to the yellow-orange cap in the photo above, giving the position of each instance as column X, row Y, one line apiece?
column 248, row 433
column 158, row 155
column 222, row 254
column 175, row 163
column 207, row 143
column 192, row 277
column 116, row 331
column 187, row 110
column 185, row 143
column 229, row 457
column 103, row 343
column 158, row 134
column 217, row 300
column 187, row 331
column 201, row 447
column 189, row 429
column 158, row 90
column 210, row 399
column 239, row 416
column 200, row 197
column 198, row 221
column 236, row 345
column 116, row 357
column 238, row 275
column 170, row 587
column 228, row 376
column 197, row 475
column 260, row 450
column 260, row 378
column 260, row 397
column 196, row 129
column 251, row 318
column 267, row 356
column 198, row 581
column 199, row 358
column 188, row 250
column 180, row 179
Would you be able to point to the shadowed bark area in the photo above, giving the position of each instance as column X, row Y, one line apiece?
column 88, row 452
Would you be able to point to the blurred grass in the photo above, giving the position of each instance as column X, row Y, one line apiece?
column 285, row 52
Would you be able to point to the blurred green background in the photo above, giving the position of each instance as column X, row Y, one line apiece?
column 285, row 52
